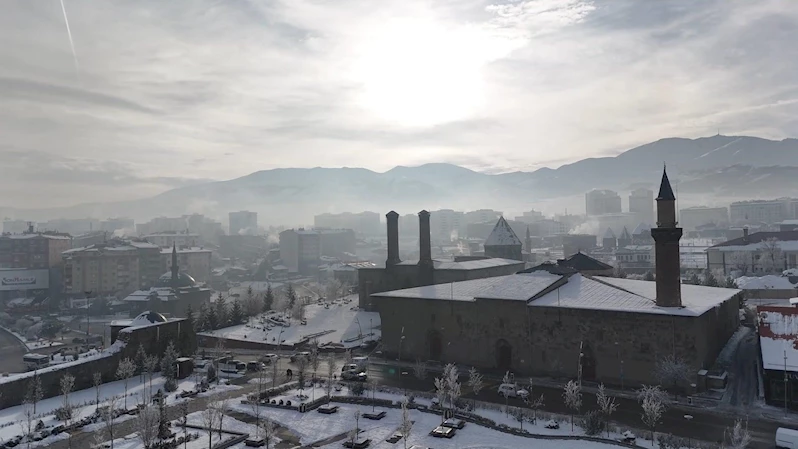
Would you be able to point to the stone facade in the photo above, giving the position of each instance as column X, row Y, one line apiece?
column 505, row 335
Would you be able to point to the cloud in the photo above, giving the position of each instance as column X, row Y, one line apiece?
column 172, row 92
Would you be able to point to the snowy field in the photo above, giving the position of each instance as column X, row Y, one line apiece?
column 330, row 323
column 12, row 419
column 133, row 442
column 314, row 427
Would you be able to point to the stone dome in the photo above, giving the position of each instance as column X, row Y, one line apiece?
column 147, row 318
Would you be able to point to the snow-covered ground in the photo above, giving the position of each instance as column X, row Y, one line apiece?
column 330, row 323
column 133, row 442
column 10, row 418
column 34, row 344
column 313, row 426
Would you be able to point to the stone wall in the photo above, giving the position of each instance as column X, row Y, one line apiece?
column 546, row 341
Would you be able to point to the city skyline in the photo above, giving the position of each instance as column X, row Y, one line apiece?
column 160, row 95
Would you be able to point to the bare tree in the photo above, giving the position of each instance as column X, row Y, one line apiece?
column 328, row 386
column 274, row 372
column 739, row 436
column 150, row 365
column 221, row 406
column 107, row 415
column 373, row 384
column 27, row 423
column 268, row 431
column 475, row 382
column 672, row 371
column 653, row 408
column 652, row 391
column 740, row 261
column 772, row 258
column 572, row 393
column 67, row 383
column 183, row 406
column 260, row 384
column 606, row 404
column 315, row 361
column 333, row 289
column 35, row 392
column 298, row 310
column 440, row 394
column 353, row 435
column 406, row 425
column 124, row 371
column 97, row 380
column 507, row 379
column 420, row 369
column 453, row 387
column 209, row 419
column 535, row 404
column 301, row 370
column 147, row 421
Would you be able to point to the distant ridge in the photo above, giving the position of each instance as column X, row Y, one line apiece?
column 717, row 166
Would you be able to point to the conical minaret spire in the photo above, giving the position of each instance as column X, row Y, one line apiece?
column 175, row 268
column 667, row 236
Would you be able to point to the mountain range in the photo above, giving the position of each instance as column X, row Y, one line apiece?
column 711, row 170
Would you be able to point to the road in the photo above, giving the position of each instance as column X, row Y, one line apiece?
column 12, row 350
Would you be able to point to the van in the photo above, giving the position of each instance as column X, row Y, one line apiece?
column 512, row 391
column 787, row 438
column 361, row 362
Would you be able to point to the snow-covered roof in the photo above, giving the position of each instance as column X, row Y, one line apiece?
column 778, row 337
column 641, row 228
column 625, row 234
column 516, row 287
column 696, row 299
column 784, row 245
column 465, row 265
column 107, row 352
column 163, row 293
column 609, row 234
column 764, row 282
column 186, row 250
column 577, row 292
column 502, row 235
column 36, row 235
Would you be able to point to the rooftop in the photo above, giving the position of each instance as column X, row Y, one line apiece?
column 186, row 250
column 787, row 241
column 36, row 235
column 778, row 337
column 502, row 235
column 544, row 289
column 468, row 264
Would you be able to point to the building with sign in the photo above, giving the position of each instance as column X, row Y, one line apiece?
column 20, row 282
column 778, row 338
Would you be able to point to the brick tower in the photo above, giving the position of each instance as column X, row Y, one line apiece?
column 667, row 236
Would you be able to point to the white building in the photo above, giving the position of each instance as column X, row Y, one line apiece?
column 641, row 204
column 482, row 216
column 767, row 211
column 196, row 262
column 447, row 224
column 531, row 216
column 759, row 252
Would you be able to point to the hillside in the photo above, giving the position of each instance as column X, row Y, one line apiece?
column 723, row 167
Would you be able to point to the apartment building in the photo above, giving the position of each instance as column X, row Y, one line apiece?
column 243, row 222
column 300, row 250
column 363, row 223
column 112, row 267
column 763, row 211
column 196, row 262
column 641, row 204
column 447, row 224
column 599, row 202
column 170, row 239
column 33, row 250
column 693, row 217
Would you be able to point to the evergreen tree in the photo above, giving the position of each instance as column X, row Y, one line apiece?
column 190, row 315
column 268, row 298
column 730, row 283
column 694, row 279
column 236, row 313
column 221, row 312
column 710, row 280
column 212, row 320
column 140, row 356
column 202, row 318
column 168, row 367
column 649, row 276
column 291, row 295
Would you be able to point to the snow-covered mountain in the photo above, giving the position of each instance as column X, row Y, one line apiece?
column 722, row 166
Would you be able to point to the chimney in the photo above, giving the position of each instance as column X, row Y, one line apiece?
column 745, row 235
column 666, row 236
column 392, row 220
column 30, row 227
column 425, row 246
column 425, row 264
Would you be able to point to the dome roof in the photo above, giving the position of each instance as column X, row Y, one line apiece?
column 183, row 280
column 147, row 318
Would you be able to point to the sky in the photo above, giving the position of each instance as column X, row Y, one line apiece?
column 135, row 97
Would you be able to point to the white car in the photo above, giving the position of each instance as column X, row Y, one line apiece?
column 512, row 391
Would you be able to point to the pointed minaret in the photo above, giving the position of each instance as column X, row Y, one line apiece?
column 528, row 240
column 667, row 236
column 175, row 268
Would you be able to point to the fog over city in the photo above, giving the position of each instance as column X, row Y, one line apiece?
column 139, row 97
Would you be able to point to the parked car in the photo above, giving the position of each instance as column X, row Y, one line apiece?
column 454, row 423
column 354, row 375
column 443, row 432
column 255, row 442
column 269, row 358
column 512, row 391
column 255, row 366
column 296, row 356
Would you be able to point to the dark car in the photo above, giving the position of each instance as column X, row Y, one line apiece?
column 443, row 432
column 454, row 423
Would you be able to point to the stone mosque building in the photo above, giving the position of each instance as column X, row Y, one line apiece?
column 556, row 321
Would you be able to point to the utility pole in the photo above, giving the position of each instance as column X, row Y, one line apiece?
column 785, row 382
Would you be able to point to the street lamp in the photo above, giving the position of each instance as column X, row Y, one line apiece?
column 688, row 418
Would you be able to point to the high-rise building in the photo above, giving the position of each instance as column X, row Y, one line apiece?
column 531, row 216
column 196, row 262
column 116, row 224
column 33, row 250
column 243, row 222
column 482, row 215
column 169, row 239
column 300, row 250
column 363, row 223
column 641, row 204
column 693, row 217
column 765, row 211
column 112, row 267
column 599, row 202
column 447, row 224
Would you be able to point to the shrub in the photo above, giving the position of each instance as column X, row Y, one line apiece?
column 63, row 413
column 592, row 423
column 357, row 388
column 668, row 441
column 170, row 385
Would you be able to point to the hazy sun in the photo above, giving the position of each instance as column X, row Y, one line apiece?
column 417, row 73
